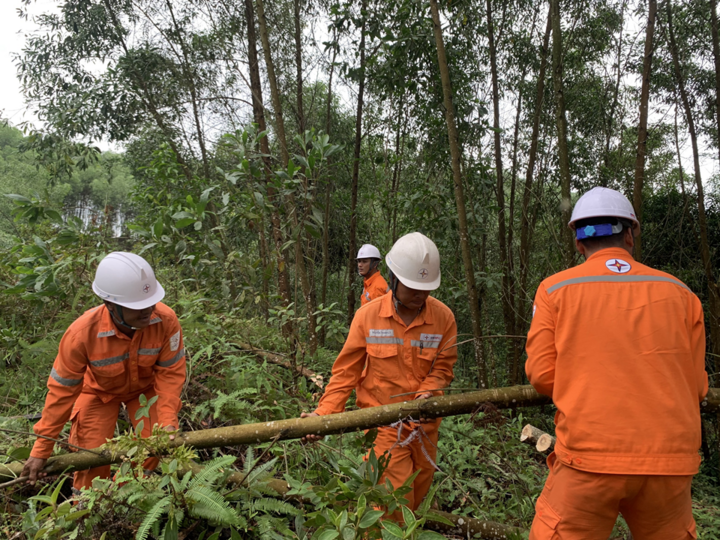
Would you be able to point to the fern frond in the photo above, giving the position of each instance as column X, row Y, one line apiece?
column 261, row 471
column 152, row 517
column 267, row 505
column 210, row 505
column 212, row 470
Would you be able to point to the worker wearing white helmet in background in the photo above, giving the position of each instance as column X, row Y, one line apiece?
column 368, row 262
column 620, row 348
column 130, row 345
column 400, row 347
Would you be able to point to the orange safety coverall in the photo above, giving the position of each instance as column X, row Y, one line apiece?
column 620, row 348
column 373, row 287
column 383, row 357
column 121, row 368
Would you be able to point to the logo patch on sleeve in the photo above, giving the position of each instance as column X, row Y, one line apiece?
column 175, row 341
column 431, row 337
column 382, row 333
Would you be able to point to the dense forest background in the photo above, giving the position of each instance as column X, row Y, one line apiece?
column 264, row 142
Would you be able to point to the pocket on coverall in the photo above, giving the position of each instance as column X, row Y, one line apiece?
column 386, row 361
column 544, row 526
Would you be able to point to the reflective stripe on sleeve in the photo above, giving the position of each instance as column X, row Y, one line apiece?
column 63, row 380
column 149, row 351
column 173, row 360
column 384, row 340
column 425, row 344
column 109, row 361
column 615, row 279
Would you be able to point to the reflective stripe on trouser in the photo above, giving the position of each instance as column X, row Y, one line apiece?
column 577, row 505
column 408, row 459
column 93, row 422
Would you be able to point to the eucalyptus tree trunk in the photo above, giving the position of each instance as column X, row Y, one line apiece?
column 563, row 158
column 508, row 298
column 716, row 57
column 714, row 297
column 642, row 128
column 525, row 240
column 298, row 65
column 610, row 125
column 328, row 191
column 454, row 143
column 298, row 227
column 259, row 117
column 352, row 247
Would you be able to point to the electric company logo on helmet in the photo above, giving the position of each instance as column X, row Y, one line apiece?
column 128, row 280
column 368, row 251
column 415, row 261
column 602, row 202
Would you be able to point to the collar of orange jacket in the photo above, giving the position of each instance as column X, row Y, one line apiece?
column 107, row 324
column 610, row 253
column 387, row 309
column 372, row 279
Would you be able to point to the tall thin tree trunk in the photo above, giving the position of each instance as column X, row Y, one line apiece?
column 610, row 128
column 298, row 64
column 352, row 247
column 563, row 157
column 259, row 117
column 528, row 189
column 714, row 297
column 328, row 191
column 300, row 266
column 454, row 143
column 642, row 128
column 507, row 297
column 716, row 57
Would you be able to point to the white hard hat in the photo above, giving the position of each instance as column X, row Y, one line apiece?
column 604, row 202
column 368, row 251
column 128, row 280
column 415, row 261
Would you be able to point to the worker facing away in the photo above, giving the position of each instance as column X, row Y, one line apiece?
column 620, row 348
column 368, row 262
column 130, row 345
column 403, row 343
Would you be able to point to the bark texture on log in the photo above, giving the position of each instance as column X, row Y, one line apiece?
column 248, row 434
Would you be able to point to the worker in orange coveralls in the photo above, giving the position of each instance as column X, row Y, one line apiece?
column 130, row 345
column 620, row 348
column 402, row 343
column 368, row 262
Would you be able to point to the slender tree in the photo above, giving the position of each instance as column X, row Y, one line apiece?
column 642, row 127
column 454, row 143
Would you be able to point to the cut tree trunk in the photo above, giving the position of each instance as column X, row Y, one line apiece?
column 295, row 428
column 530, row 435
column 545, row 443
column 454, row 142
column 642, row 128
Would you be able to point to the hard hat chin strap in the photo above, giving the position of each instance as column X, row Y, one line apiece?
column 121, row 319
column 393, row 287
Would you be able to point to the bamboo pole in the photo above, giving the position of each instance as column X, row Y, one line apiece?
column 248, row 434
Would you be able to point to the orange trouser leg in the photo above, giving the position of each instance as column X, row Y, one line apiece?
column 577, row 505
column 406, row 460
column 93, row 423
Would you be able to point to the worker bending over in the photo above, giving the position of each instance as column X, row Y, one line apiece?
column 368, row 262
column 130, row 345
column 620, row 348
column 402, row 343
